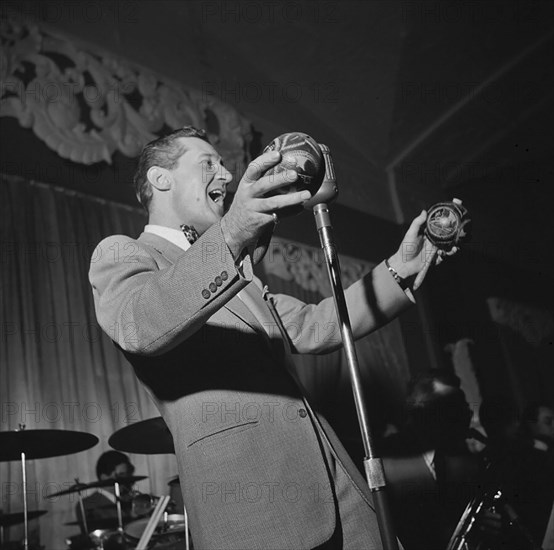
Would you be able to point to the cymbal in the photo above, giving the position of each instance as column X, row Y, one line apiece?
column 7, row 520
column 147, row 437
column 43, row 443
column 128, row 480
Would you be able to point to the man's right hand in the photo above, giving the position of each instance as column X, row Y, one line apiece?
column 251, row 212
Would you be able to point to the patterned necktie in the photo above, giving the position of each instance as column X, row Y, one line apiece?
column 190, row 233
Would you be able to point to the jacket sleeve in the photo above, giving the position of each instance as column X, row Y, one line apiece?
column 147, row 310
column 372, row 302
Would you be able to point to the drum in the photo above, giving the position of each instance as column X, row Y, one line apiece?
column 107, row 539
column 99, row 539
column 142, row 504
column 168, row 532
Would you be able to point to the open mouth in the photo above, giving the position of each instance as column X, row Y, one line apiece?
column 217, row 195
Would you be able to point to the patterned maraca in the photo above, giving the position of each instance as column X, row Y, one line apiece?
column 447, row 224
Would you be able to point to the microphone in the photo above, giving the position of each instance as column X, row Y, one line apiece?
column 328, row 190
column 316, row 173
column 313, row 164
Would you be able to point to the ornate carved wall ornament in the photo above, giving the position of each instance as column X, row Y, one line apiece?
column 532, row 323
column 305, row 265
column 86, row 105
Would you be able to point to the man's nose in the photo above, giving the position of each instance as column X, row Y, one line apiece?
column 225, row 175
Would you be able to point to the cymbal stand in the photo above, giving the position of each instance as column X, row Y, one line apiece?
column 118, row 505
column 82, row 508
column 187, row 537
column 24, row 479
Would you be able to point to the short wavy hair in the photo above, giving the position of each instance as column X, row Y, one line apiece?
column 109, row 461
column 164, row 152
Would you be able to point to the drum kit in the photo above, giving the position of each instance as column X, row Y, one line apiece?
column 150, row 522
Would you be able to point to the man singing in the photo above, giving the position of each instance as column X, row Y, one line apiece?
column 259, row 468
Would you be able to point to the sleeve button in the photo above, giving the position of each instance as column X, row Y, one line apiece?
column 218, row 281
column 206, row 294
column 302, row 413
column 224, row 275
column 212, row 287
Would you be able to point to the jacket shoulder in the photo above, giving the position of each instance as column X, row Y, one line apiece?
column 119, row 249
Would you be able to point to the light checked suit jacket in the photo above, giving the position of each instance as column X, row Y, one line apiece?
column 248, row 446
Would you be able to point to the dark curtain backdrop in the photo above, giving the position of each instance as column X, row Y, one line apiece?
column 59, row 371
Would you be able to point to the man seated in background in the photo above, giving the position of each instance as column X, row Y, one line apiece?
column 100, row 505
column 430, row 472
column 534, row 479
column 520, row 469
column 500, row 419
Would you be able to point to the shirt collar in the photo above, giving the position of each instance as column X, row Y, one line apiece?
column 175, row 236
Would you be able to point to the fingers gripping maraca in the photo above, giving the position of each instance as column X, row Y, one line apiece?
column 447, row 224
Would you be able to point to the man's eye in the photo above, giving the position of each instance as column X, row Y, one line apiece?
column 210, row 165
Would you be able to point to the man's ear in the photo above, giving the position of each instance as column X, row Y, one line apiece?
column 160, row 178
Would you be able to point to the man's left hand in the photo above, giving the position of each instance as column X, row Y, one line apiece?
column 416, row 251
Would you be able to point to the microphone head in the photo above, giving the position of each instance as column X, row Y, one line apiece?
column 301, row 153
column 328, row 190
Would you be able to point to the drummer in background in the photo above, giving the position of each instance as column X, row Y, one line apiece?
column 100, row 506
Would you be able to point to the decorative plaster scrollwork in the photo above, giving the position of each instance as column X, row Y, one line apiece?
column 305, row 265
column 532, row 323
column 87, row 105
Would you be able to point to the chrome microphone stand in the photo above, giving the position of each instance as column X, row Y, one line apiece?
column 372, row 464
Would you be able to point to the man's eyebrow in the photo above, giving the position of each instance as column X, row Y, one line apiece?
column 210, row 155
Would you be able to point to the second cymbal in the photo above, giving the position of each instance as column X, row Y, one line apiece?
column 147, row 437
column 129, row 480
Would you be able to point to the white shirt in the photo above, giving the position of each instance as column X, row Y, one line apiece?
column 175, row 236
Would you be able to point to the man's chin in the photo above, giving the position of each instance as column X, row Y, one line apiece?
column 202, row 228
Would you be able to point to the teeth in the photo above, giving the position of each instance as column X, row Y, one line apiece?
column 215, row 195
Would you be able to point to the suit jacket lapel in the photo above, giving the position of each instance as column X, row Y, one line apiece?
column 171, row 252
column 237, row 307
column 251, row 299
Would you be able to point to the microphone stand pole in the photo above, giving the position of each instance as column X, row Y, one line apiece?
column 372, row 464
